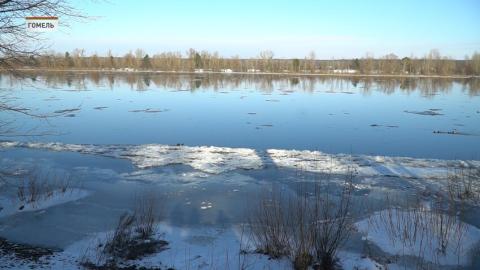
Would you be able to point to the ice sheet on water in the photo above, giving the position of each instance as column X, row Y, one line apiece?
column 208, row 159
column 215, row 160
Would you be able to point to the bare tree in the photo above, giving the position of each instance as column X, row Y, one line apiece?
column 95, row 61
column 475, row 63
column 311, row 62
column 367, row 64
column 267, row 60
column 129, row 60
column 18, row 46
column 110, row 61
column 431, row 64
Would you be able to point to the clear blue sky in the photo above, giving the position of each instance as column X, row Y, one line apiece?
column 333, row 29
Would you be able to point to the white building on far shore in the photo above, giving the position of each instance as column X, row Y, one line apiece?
column 345, row 71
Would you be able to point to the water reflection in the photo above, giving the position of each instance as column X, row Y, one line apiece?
column 428, row 87
column 427, row 117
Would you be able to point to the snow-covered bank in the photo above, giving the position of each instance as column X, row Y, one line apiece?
column 355, row 261
column 188, row 248
column 196, row 248
column 433, row 237
column 11, row 206
column 215, row 160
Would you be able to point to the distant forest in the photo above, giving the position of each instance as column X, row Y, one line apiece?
column 432, row 63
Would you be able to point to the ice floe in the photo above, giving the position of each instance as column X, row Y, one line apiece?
column 208, row 159
column 215, row 160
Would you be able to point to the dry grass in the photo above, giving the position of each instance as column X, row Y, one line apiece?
column 133, row 236
column 270, row 225
column 309, row 228
column 430, row 230
column 121, row 238
column 36, row 187
column 145, row 214
column 464, row 185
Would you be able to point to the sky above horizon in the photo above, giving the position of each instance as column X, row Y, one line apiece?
column 332, row 29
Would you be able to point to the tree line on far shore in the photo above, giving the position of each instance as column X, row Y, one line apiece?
column 432, row 63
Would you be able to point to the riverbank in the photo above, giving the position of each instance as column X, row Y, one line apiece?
column 344, row 75
column 203, row 212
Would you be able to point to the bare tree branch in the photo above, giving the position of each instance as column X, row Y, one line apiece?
column 17, row 45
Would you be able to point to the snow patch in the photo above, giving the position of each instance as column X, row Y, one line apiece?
column 188, row 248
column 436, row 238
column 12, row 206
column 198, row 248
column 354, row 261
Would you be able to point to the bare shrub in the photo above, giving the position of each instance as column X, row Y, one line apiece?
column 133, row 236
column 61, row 182
column 31, row 189
column 121, row 237
column 464, row 184
column 309, row 228
column 431, row 232
column 22, row 197
column 301, row 226
column 269, row 224
column 145, row 215
column 333, row 223
column 36, row 187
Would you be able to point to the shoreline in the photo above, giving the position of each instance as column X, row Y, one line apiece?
column 344, row 75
